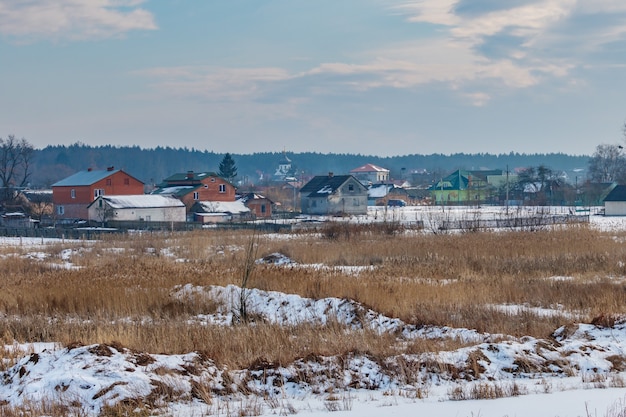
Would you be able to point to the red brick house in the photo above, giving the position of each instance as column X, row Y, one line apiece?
column 72, row 195
column 191, row 187
column 260, row 206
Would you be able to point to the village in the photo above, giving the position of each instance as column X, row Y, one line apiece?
column 113, row 198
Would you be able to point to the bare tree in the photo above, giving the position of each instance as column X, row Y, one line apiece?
column 15, row 160
column 104, row 212
column 607, row 164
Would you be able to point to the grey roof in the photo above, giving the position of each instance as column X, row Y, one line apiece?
column 177, row 190
column 323, row 185
column 617, row 194
column 86, row 177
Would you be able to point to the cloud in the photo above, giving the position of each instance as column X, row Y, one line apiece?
column 479, row 49
column 214, row 83
column 29, row 20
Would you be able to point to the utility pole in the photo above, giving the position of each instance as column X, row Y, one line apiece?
column 507, row 190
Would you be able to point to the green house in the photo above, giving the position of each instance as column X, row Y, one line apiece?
column 468, row 187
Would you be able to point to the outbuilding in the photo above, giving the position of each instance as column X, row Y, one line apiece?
column 615, row 202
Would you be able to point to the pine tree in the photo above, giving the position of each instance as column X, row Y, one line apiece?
column 228, row 170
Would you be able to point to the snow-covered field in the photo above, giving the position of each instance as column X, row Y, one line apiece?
column 581, row 371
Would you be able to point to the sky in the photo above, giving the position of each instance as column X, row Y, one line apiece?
column 373, row 77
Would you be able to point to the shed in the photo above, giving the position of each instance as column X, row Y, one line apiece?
column 148, row 208
column 615, row 202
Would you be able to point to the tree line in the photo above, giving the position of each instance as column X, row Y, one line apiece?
column 23, row 166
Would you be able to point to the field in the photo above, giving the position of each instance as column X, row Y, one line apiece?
column 351, row 312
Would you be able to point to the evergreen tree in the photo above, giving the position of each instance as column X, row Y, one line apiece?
column 228, row 170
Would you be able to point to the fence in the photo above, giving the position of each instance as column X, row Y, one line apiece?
column 515, row 222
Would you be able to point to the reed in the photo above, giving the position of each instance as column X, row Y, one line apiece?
column 122, row 289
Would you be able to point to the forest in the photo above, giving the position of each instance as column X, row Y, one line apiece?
column 152, row 165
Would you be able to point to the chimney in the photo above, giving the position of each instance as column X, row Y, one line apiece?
column 111, row 168
column 189, row 175
column 330, row 174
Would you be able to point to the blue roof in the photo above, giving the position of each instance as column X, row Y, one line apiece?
column 84, row 178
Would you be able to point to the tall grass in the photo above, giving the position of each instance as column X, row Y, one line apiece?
column 123, row 291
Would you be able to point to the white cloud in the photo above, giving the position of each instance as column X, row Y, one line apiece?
column 450, row 56
column 72, row 19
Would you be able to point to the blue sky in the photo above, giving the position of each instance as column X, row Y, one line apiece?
column 379, row 77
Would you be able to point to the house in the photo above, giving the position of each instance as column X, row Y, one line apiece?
column 259, row 205
column 220, row 211
column 72, row 195
column 470, row 187
column 615, row 202
column 191, row 187
column 334, row 194
column 137, row 208
column 380, row 194
column 370, row 174
column 17, row 220
column 37, row 203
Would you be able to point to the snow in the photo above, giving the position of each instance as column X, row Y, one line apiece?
column 233, row 207
column 579, row 371
column 142, row 201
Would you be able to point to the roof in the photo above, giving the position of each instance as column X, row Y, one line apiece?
column 461, row 179
column 189, row 176
column 369, row 168
column 381, row 190
column 253, row 196
column 323, row 185
column 231, row 207
column 86, row 177
column 617, row 194
column 140, row 201
column 178, row 191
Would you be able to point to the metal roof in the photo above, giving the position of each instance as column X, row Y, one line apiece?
column 189, row 176
column 86, row 177
column 369, row 168
column 140, row 201
column 324, row 185
column 617, row 194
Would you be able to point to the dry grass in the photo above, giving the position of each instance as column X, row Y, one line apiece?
column 123, row 290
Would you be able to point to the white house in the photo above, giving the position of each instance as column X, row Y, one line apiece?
column 144, row 207
column 333, row 194
column 615, row 202
column 370, row 174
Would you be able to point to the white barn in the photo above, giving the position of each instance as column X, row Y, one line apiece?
column 144, row 207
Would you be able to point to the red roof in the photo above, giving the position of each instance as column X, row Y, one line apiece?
column 369, row 168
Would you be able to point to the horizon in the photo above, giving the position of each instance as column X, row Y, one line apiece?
column 373, row 77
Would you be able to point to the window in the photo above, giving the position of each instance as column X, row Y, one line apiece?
column 109, row 181
column 60, row 210
column 222, row 188
column 126, row 181
column 262, row 208
column 206, row 185
column 97, row 193
column 73, row 193
column 350, row 187
column 355, row 202
column 195, row 195
column 212, row 179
